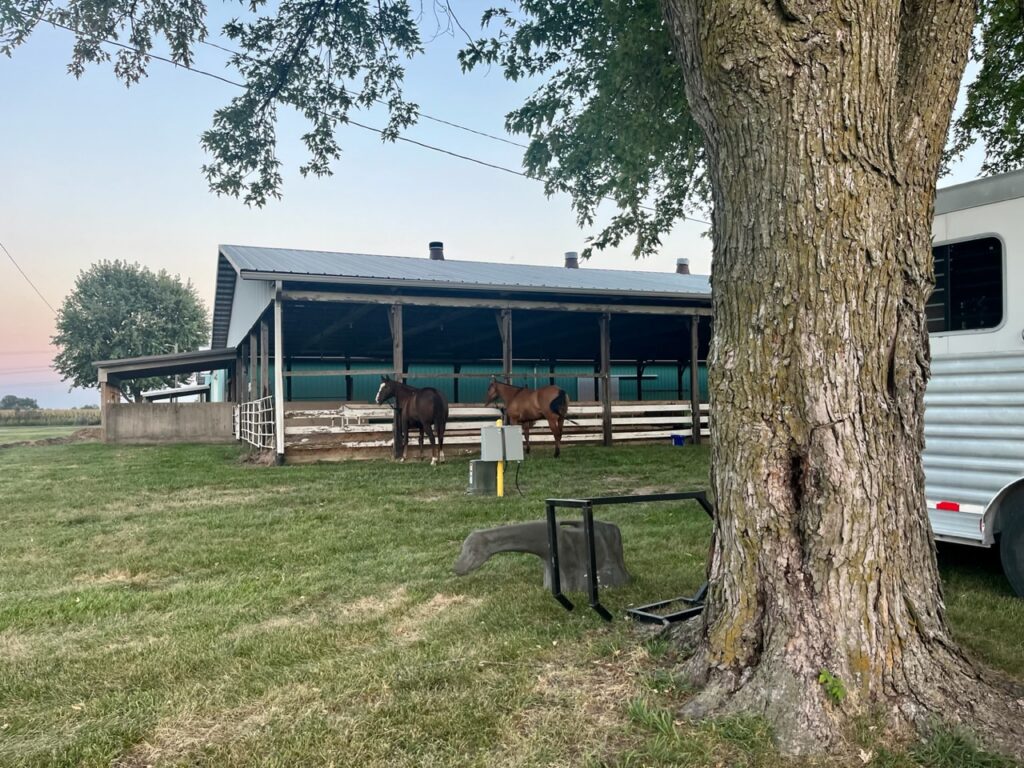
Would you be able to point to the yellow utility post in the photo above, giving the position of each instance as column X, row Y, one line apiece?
column 501, row 465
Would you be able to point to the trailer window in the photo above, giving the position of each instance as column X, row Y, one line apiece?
column 968, row 291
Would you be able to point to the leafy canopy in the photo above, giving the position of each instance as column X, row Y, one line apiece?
column 119, row 310
column 610, row 121
column 13, row 402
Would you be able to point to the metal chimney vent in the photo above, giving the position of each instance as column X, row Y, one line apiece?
column 437, row 251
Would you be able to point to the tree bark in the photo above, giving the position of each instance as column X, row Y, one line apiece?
column 824, row 125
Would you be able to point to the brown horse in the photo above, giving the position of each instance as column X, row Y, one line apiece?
column 525, row 406
column 425, row 409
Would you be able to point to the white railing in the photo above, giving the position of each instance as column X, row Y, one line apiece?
column 254, row 423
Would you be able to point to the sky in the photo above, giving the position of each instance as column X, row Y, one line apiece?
column 90, row 170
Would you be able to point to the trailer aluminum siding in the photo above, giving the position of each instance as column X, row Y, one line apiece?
column 974, row 417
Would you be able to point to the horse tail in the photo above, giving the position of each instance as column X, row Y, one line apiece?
column 560, row 405
column 441, row 419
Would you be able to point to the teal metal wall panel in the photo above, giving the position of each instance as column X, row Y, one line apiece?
column 422, row 376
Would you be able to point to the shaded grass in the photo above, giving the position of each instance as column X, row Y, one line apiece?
column 174, row 606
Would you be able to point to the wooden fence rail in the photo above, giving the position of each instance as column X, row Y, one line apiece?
column 353, row 430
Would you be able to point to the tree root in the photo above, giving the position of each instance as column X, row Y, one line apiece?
column 942, row 690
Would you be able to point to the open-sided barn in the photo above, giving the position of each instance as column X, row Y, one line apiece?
column 321, row 328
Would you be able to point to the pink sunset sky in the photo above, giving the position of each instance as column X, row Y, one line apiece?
column 94, row 171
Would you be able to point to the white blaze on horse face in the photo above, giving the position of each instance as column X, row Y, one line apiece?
column 379, row 391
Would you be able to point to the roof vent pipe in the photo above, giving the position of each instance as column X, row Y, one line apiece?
column 437, row 251
column 682, row 266
column 572, row 260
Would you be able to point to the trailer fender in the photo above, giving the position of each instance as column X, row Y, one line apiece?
column 1008, row 501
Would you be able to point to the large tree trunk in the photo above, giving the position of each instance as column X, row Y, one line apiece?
column 824, row 125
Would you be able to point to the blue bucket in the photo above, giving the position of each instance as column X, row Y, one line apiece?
column 678, row 438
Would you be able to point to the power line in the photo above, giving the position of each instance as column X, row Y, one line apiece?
column 27, row 279
column 340, row 118
column 424, row 115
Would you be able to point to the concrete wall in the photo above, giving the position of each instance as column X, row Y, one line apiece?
column 169, row 423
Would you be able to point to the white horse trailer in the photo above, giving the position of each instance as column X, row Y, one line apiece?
column 974, row 404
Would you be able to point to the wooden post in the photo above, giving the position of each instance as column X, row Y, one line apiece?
column 253, row 383
column 238, row 392
column 398, row 363
column 456, row 369
column 265, row 354
column 109, row 395
column 505, row 327
column 279, row 394
column 606, row 378
column 695, row 378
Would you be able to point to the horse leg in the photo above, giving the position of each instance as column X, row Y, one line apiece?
column 433, row 445
column 440, row 443
column 421, row 444
column 405, row 442
column 555, row 423
column 526, row 435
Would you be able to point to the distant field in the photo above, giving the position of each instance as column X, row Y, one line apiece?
column 20, row 434
column 50, row 417
column 174, row 606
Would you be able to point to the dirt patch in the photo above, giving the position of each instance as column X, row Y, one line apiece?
column 302, row 614
column 175, row 740
column 13, row 646
column 580, row 698
column 367, row 606
column 116, row 576
column 410, row 627
column 191, row 498
column 89, row 434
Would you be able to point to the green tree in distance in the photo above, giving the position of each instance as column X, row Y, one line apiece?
column 119, row 310
column 815, row 132
column 13, row 402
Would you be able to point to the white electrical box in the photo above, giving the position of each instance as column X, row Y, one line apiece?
column 501, row 443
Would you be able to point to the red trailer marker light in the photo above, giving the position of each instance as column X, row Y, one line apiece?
column 948, row 506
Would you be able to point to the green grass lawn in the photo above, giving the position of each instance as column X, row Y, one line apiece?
column 175, row 606
column 35, row 432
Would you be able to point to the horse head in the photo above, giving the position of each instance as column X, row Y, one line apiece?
column 492, row 392
column 386, row 391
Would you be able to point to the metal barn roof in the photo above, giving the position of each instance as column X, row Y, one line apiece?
column 366, row 269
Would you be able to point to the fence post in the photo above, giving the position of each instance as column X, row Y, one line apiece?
column 279, row 373
column 606, row 378
column 695, row 378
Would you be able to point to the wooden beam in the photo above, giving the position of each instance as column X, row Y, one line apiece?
column 278, row 375
column 695, row 378
column 110, row 393
column 458, row 301
column 505, row 328
column 238, row 380
column 253, row 383
column 398, row 363
column 606, row 378
column 265, row 354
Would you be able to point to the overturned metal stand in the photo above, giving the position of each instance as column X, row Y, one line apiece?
column 587, row 508
column 665, row 612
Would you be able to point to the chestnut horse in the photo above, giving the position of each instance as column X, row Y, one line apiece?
column 424, row 408
column 525, row 406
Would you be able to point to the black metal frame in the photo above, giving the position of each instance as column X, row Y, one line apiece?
column 642, row 613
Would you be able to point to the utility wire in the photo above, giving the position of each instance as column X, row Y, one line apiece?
column 27, row 279
column 424, row 115
column 340, row 118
